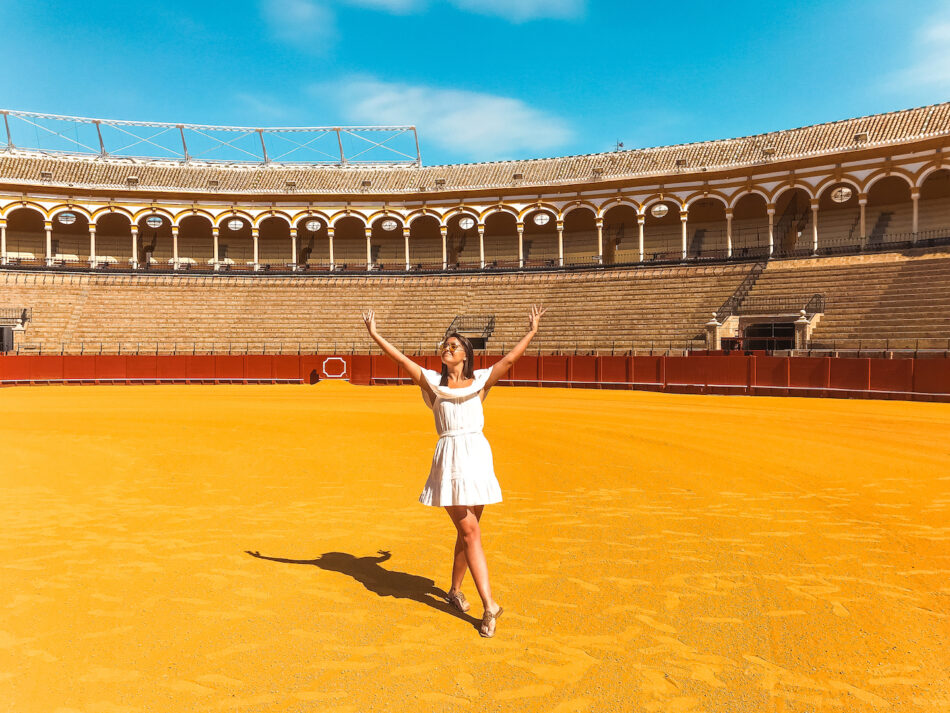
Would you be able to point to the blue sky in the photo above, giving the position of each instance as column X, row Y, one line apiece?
column 481, row 79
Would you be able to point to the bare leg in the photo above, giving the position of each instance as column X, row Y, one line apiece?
column 460, row 563
column 467, row 525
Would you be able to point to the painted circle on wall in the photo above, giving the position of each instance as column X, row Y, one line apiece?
column 542, row 218
column 313, row 225
column 467, row 223
column 841, row 194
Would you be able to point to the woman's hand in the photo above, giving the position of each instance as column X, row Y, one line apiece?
column 534, row 317
column 369, row 319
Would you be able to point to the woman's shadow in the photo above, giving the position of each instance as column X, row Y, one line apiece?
column 380, row 581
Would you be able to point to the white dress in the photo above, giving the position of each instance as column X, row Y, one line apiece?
column 462, row 471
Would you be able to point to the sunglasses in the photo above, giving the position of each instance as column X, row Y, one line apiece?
column 450, row 348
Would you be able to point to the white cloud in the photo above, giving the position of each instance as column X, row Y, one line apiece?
column 308, row 23
column 398, row 7
column 524, row 10
column 463, row 123
column 931, row 67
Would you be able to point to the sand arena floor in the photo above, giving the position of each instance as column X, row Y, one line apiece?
column 653, row 553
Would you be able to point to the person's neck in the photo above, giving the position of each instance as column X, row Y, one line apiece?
column 455, row 373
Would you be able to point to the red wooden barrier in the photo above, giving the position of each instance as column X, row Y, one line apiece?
column 881, row 378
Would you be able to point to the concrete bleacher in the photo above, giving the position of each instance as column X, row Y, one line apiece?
column 642, row 309
column 892, row 298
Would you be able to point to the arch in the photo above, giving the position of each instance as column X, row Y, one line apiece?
column 706, row 194
column 190, row 212
column 539, row 206
column 309, row 213
column 793, row 185
column 929, row 168
column 111, row 210
column 885, row 173
column 578, row 205
column 153, row 210
column 743, row 192
column 661, row 198
column 65, row 208
column 372, row 218
column 423, row 213
column 233, row 213
column 847, row 180
column 499, row 208
column 271, row 213
column 343, row 214
column 30, row 205
column 458, row 212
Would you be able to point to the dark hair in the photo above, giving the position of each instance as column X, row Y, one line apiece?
column 468, row 368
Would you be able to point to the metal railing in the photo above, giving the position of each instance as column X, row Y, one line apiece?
column 733, row 302
column 785, row 304
column 16, row 315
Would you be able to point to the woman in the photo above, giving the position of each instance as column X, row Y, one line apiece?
column 462, row 477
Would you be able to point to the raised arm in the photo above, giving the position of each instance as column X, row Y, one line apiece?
column 415, row 371
column 501, row 367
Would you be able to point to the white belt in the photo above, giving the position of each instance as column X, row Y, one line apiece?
column 459, row 432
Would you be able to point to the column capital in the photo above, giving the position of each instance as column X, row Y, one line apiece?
column 330, row 231
column 3, row 222
column 255, row 232
column 405, row 231
column 770, row 210
column 215, row 231
column 444, row 230
column 47, row 225
column 599, row 222
column 815, row 202
column 559, row 225
column 174, row 230
column 729, row 213
column 134, row 229
column 641, row 218
column 914, row 193
column 368, row 230
column 684, row 214
column 481, row 228
column 519, row 226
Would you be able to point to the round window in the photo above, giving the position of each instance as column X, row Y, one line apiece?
column 389, row 225
column 313, row 225
column 659, row 210
column 541, row 218
column 154, row 221
column 66, row 218
column 841, row 194
column 467, row 223
column 235, row 224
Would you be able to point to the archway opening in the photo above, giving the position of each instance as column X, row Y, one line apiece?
column 580, row 236
column 750, row 227
column 621, row 235
column 26, row 237
column 792, row 223
column 425, row 243
column 313, row 244
column 235, row 244
column 501, row 240
column 274, row 247
column 70, row 238
column 195, row 243
column 706, row 229
column 154, row 244
column 662, row 232
column 839, row 218
column 349, row 244
column 387, row 244
column 890, row 213
column 113, row 239
column 540, row 239
column 934, row 206
column 462, row 247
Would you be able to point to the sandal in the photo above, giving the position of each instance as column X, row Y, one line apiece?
column 487, row 628
column 457, row 600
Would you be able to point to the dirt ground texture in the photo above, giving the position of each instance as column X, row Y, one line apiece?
column 653, row 552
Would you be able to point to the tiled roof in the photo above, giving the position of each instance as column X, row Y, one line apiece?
column 836, row 137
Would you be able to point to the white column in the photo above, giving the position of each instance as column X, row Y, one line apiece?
column 560, row 243
column 405, row 237
column 368, row 231
column 444, row 230
column 255, row 234
column 728, row 233
column 771, row 212
column 134, row 230
column 481, row 244
column 641, row 220
column 862, row 203
column 520, row 228
column 293, row 247
column 683, row 217
column 175, row 263
column 330, row 232
column 599, row 222
column 3, row 241
column 915, row 198
column 48, row 227
column 214, row 236
column 814, row 226
column 92, row 245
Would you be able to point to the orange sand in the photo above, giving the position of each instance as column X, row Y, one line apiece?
column 653, row 553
